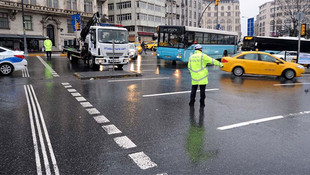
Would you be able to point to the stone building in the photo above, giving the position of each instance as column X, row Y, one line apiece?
column 44, row 18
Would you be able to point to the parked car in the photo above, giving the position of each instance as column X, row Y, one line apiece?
column 286, row 55
column 11, row 61
column 133, row 52
column 138, row 46
column 261, row 63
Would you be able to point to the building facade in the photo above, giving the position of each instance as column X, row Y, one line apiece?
column 183, row 12
column 44, row 18
column 226, row 16
column 276, row 18
column 141, row 18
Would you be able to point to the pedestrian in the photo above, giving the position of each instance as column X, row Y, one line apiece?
column 199, row 73
column 48, row 48
column 143, row 47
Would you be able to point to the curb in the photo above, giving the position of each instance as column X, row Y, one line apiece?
column 42, row 55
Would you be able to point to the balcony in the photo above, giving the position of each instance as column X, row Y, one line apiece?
column 41, row 9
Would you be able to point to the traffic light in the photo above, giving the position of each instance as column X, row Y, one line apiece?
column 303, row 30
column 217, row 2
column 77, row 26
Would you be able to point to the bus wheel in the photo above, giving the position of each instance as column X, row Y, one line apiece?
column 225, row 54
column 174, row 62
column 289, row 74
column 238, row 71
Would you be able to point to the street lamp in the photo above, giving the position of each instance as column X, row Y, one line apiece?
column 203, row 13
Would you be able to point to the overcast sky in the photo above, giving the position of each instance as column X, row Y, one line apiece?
column 249, row 9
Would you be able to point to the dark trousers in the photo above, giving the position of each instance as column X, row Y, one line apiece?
column 202, row 94
column 49, row 55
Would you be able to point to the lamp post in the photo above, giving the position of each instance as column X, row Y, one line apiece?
column 203, row 13
column 25, row 40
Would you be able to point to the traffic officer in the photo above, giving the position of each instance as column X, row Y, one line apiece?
column 197, row 66
column 48, row 48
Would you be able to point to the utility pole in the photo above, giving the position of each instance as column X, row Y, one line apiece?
column 25, row 40
column 203, row 13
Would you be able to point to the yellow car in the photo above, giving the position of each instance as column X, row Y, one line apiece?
column 261, row 63
column 151, row 45
column 138, row 46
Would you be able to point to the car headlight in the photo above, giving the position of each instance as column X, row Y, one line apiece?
column 300, row 67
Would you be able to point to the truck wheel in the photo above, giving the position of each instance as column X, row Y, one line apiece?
column 91, row 63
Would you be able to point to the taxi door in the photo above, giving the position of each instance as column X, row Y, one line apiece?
column 270, row 65
column 249, row 62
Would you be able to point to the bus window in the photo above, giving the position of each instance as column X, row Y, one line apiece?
column 226, row 39
column 213, row 39
column 189, row 39
column 220, row 39
column 199, row 38
column 206, row 38
column 232, row 39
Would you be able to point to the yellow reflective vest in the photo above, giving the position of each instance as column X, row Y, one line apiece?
column 48, row 45
column 197, row 66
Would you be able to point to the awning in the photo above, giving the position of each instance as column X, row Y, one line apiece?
column 40, row 37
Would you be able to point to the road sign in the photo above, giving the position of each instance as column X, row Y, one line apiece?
column 300, row 16
column 250, row 26
column 76, row 22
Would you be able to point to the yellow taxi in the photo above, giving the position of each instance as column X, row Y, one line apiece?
column 138, row 46
column 261, row 63
column 151, row 45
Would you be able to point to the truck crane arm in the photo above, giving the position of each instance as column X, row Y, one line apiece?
column 95, row 20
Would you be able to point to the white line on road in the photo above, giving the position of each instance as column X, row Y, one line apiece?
column 101, row 119
column 65, row 84
column 25, row 72
column 80, row 99
column 124, row 142
column 140, row 79
column 69, row 86
column 76, row 94
column 142, row 160
column 173, row 93
column 291, row 84
column 111, row 129
column 86, row 104
column 34, row 137
column 71, row 90
column 237, row 125
column 49, row 144
column 48, row 67
column 92, row 111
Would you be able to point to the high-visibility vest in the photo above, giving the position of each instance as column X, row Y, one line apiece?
column 197, row 66
column 48, row 45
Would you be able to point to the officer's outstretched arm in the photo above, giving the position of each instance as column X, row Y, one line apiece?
column 213, row 61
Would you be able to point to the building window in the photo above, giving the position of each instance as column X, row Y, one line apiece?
column 28, row 22
column 33, row 2
column 123, row 5
column 141, row 16
column 209, row 14
column 88, row 6
column 111, row 18
column 141, row 4
column 71, row 5
column 228, row 7
column 130, row 28
column 151, row 18
column 124, row 17
column 151, row 7
column 69, row 26
column 111, row 6
column 52, row 3
column 222, row 8
column 4, row 21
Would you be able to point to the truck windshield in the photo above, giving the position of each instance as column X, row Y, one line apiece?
column 106, row 36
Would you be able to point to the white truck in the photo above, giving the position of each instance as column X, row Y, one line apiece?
column 101, row 44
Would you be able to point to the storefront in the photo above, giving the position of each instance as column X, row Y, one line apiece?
column 16, row 42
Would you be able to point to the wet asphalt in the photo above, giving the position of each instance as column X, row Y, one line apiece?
column 178, row 138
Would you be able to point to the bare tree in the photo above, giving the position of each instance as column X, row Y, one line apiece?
column 291, row 8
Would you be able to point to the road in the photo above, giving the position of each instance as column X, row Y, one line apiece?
column 54, row 123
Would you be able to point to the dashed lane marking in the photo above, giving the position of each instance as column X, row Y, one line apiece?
column 86, row 104
column 80, row 99
column 69, row 86
column 124, row 142
column 142, row 160
column 65, row 84
column 111, row 129
column 92, row 111
column 101, row 119
column 237, row 125
column 71, row 90
column 174, row 93
column 75, row 94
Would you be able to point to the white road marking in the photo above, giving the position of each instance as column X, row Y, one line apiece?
column 71, row 90
column 101, row 119
column 76, row 94
column 65, row 84
column 142, row 160
column 162, row 174
column 140, row 79
column 25, row 72
column 92, row 111
column 48, row 67
column 173, row 93
column 124, row 142
column 80, row 99
column 237, row 125
column 291, row 84
column 34, row 137
column 41, row 139
column 111, row 129
column 53, row 158
column 69, row 86
column 86, row 104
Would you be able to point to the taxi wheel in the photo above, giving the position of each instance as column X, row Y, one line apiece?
column 238, row 71
column 6, row 69
column 289, row 74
